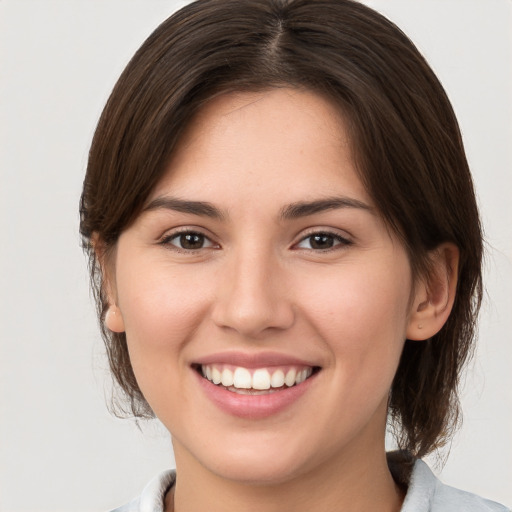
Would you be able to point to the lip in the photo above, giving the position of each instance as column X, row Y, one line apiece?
column 256, row 360
column 253, row 407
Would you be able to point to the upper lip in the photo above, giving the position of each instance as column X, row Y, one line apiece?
column 253, row 360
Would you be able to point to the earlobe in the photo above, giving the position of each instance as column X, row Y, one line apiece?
column 434, row 295
column 114, row 319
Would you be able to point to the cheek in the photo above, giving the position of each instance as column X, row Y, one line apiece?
column 361, row 314
column 161, row 309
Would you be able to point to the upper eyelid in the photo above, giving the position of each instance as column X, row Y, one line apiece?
column 337, row 233
column 173, row 232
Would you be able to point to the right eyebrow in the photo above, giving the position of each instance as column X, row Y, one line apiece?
column 306, row 208
column 200, row 208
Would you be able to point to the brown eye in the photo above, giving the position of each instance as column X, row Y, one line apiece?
column 191, row 241
column 188, row 241
column 322, row 241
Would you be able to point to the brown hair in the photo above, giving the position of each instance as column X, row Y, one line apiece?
column 406, row 141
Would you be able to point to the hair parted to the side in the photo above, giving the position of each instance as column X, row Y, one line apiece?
column 405, row 140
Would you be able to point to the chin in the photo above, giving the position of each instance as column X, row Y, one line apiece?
column 259, row 461
column 257, row 473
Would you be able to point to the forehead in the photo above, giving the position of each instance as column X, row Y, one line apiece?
column 285, row 137
column 279, row 104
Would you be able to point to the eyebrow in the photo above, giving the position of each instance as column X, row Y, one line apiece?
column 305, row 208
column 291, row 211
column 201, row 208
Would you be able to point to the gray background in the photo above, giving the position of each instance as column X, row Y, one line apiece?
column 60, row 450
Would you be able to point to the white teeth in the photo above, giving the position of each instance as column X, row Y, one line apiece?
column 289, row 380
column 303, row 375
column 227, row 377
column 261, row 379
column 216, row 376
column 277, row 380
column 242, row 379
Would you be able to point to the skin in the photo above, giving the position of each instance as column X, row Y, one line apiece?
column 257, row 283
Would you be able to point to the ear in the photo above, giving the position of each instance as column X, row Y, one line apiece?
column 113, row 317
column 435, row 294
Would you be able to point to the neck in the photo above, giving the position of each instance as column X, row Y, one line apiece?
column 355, row 482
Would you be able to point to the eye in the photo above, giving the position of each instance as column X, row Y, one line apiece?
column 188, row 241
column 322, row 241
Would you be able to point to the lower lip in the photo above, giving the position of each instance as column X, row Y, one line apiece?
column 253, row 406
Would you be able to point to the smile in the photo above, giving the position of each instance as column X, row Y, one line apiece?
column 255, row 386
column 255, row 381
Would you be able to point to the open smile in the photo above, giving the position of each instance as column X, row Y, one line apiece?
column 255, row 381
column 256, row 389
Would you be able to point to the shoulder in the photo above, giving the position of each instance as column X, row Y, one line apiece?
column 426, row 493
column 152, row 496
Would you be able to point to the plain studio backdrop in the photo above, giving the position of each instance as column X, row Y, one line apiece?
column 60, row 449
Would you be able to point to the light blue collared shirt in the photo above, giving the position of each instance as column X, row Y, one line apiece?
column 425, row 493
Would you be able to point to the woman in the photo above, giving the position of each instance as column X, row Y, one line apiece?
column 286, row 254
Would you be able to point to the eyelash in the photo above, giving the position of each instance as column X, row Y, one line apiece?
column 341, row 241
column 167, row 240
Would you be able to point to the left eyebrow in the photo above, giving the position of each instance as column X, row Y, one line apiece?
column 305, row 208
column 200, row 208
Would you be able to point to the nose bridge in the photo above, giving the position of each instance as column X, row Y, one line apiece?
column 252, row 297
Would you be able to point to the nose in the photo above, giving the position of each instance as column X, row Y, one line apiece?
column 252, row 297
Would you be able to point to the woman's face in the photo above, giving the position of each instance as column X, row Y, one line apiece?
column 261, row 258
